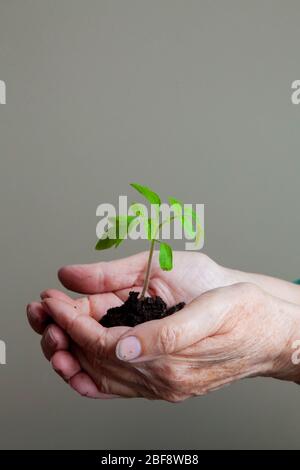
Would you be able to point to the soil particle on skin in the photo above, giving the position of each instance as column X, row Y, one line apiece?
column 135, row 311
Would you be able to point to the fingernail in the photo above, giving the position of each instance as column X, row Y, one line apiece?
column 44, row 295
column 50, row 338
column 128, row 348
column 45, row 306
column 31, row 312
column 55, row 368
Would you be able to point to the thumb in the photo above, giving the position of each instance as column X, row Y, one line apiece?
column 201, row 318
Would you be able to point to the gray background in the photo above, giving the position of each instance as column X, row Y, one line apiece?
column 190, row 97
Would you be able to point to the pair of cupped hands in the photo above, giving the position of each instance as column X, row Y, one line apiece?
column 234, row 325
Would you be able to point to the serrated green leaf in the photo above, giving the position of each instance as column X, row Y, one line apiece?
column 165, row 257
column 150, row 195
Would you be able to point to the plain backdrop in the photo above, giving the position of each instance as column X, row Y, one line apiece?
column 192, row 98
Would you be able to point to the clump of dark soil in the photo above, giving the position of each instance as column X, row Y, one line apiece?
column 135, row 311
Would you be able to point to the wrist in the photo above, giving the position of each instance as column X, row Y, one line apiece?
column 280, row 288
column 286, row 365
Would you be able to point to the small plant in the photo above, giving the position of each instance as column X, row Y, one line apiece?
column 122, row 225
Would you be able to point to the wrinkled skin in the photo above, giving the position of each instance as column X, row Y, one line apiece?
column 235, row 325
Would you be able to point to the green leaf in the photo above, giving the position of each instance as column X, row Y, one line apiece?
column 187, row 210
column 165, row 257
column 130, row 226
column 123, row 222
column 172, row 201
column 188, row 225
column 150, row 195
column 123, row 227
column 188, row 216
column 193, row 214
column 105, row 243
column 120, row 226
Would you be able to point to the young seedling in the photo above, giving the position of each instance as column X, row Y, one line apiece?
column 121, row 226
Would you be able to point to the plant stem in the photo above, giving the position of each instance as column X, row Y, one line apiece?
column 147, row 277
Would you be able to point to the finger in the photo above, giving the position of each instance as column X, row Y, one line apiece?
column 84, row 330
column 201, row 318
column 82, row 303
column 94, row 305
column 100, row 303
column 86, row 387
column 68, row 367
column 105, row 382
column 57, row 294
column 104, row 276
column 54, row 339
column 116, row 370
column 65, row 364
column 37, row 317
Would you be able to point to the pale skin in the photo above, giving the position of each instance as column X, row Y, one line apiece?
column 235, row 325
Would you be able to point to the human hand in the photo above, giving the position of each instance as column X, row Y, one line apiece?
column 197, row 272
column 108, row 285
column 222, row 336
